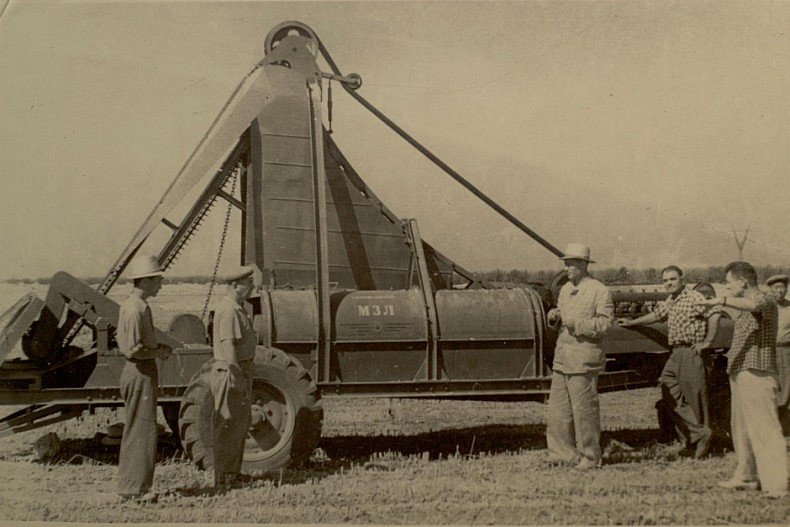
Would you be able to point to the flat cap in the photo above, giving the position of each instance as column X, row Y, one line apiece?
column 777, row 278
column 236, row 274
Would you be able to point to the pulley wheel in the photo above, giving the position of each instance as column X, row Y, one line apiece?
column 290, row 28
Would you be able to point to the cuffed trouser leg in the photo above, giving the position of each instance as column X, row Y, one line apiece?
column 583, row 389
column 573, row 424
column 684, row 389
column 560, row 431
column 756, row 433
column 137, row 456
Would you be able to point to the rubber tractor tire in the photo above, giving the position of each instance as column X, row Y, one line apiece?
column 286, row 415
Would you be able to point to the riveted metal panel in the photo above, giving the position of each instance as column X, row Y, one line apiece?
column 381, row 316
column 295, row 315
column 486, row 314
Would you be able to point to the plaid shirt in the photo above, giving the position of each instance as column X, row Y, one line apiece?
column 754, row 338
column 687, row 320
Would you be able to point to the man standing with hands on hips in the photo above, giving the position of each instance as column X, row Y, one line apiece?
column 231, row 376
column 139, row 382
column 751, row 365
column 584, row 312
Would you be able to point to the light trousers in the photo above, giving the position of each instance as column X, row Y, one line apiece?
column 756, row 433
column 137, row 458
column 573, row 421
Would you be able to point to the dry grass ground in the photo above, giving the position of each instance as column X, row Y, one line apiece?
column 404, row 462
column 395, row 462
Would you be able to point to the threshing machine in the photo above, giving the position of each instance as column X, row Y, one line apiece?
column 351, row 301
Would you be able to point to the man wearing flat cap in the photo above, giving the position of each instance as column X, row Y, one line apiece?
column 584, row 312
column 778, row 287
column 139, row 381
column 231, row 376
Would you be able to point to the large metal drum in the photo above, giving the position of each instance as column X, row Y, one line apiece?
column 385, row 336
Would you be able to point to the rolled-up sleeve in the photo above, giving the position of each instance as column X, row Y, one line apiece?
column 136, row 336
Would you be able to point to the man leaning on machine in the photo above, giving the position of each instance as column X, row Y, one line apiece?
column 684, row 386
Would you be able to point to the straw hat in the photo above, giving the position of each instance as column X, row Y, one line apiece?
column 144, row 266
column 577, row 251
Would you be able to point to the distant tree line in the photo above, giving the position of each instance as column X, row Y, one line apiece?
column 623, row 275
column 189, row 279
column 610, row 275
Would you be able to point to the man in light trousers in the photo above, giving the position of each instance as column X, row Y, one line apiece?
column 751, row 365
column 584, row 312
column 139, row 382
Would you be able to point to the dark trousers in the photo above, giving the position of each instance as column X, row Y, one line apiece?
column 232, row 390
column 684, row 390
column 139, row 381
column 783, row 396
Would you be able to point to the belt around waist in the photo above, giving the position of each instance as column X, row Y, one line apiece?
column 243, row 363
column 139, row 361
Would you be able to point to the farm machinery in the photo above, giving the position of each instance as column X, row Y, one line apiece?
column 350, row 300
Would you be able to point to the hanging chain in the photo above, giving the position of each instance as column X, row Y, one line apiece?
column 221, row 244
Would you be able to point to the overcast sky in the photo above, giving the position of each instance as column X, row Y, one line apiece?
column 630, row 126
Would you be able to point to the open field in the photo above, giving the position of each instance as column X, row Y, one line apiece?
column 388, row 461
column 405, row 462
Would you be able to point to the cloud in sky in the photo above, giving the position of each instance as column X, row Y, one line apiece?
column 646, row 129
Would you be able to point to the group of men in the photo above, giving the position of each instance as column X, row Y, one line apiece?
column 758, row 365
column 231, row 379
column 758, row 368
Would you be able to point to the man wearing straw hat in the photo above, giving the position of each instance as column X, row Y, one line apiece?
column 778, row 287
column 584, row 312
column 139, row 382
column 231, row 376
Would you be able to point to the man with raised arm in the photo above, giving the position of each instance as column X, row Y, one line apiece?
column 751, row 365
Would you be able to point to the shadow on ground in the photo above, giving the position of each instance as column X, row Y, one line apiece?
column 340, row 453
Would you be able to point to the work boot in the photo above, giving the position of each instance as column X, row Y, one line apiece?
column 228, row 481
column 141, row 499
column 703, row 445
column 775, row 494
column 585, row 464
column 739, row 484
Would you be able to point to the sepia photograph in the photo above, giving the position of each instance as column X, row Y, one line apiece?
column 395, row 262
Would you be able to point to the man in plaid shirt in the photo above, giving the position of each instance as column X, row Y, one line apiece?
column 756, row 432
column 692, row 328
